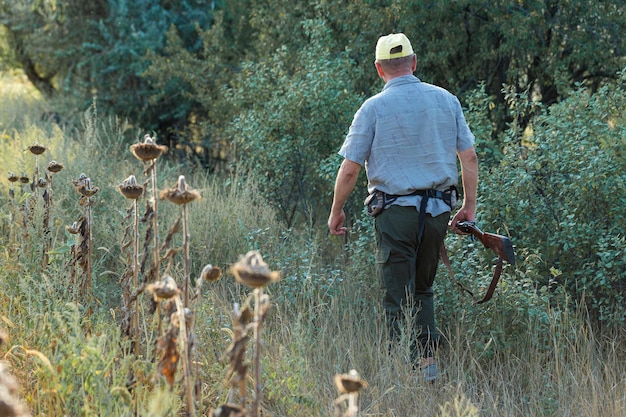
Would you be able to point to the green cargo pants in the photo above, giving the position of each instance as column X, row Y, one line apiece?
column 407, row 270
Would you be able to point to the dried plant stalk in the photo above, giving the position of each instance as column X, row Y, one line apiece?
column 349, row 385
column 53, row 167
column 236, row 352
column 180, row 194
column 182, row 313
column 252, row 271
column 13, row 208
column 149, row 152
column 87, row 190
column 132, row 190
column 36, row 149
column 176, row 335
column 155, row 235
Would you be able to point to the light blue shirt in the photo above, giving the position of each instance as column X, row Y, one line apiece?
column 407, row 137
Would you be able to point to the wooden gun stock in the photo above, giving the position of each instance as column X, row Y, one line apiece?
column 501, row 245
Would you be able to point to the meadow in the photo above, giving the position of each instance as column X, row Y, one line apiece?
column 90, row 327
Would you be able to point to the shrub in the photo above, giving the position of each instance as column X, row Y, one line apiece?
column 560, row 191
column 284, row 128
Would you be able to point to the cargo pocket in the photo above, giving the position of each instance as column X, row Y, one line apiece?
column 382, row 255
column 382, row 264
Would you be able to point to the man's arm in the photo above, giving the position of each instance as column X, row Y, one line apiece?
column 469, row 174
column 344, row 184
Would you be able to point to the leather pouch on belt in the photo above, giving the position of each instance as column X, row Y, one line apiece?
column 375, row 203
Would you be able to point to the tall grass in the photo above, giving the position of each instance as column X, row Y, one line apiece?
column 516, row 356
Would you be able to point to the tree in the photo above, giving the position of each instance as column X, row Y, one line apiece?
column 81, row 50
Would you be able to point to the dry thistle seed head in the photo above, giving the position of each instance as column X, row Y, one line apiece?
column 24, row 179
column 130, row 189
column 81, row 181
column 148, row 150
column 37, row 149
column 350, row 382
column 180, row 194
column 250, row 270
column 163, row 290
column 73, row 229
column 13, row 177
column 210, row 273
column 84, row 186
column 41, row 183
column 54, row 166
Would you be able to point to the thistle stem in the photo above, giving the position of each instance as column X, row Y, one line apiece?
column 155, row 227
column 89, row 243
column 46, row 222
column 258, row 292
column 190, row 372
column 155, row 223
column 186, row 253
column 135, row 273
column 184, row 347
column 353, row 408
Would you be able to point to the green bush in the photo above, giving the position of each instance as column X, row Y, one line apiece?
column 284, row 127
column 561, row 195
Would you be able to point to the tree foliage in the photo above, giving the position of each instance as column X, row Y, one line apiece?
column 100, row 47
column 81, row 50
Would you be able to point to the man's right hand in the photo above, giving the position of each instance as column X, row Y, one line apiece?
column 335, row 223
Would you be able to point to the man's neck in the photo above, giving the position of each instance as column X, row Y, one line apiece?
column 389, row 77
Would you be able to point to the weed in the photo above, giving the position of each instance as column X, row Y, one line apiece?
column 148, row 152
column 53, row 167
column 349, row 385
column 131, row 190
column 253, row 272
column 182, row 196
column 83, row 252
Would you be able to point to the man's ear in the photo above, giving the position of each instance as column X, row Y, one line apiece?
column 379, row 69
column 414, row 66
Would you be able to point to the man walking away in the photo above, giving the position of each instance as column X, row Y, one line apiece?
column 408, row 138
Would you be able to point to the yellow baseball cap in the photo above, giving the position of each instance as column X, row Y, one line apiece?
column 396, row 45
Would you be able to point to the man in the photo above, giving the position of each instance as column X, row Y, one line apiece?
column 408, row 137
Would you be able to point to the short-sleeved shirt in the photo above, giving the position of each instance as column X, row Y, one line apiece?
column 407, row 137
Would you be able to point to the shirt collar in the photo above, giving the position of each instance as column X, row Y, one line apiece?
column 403, row 79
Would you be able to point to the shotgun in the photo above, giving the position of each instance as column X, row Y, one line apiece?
column 501, row 245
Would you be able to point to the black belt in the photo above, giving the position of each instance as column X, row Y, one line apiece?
column 446, row 196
